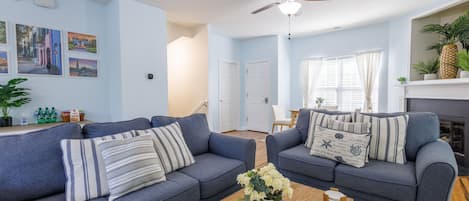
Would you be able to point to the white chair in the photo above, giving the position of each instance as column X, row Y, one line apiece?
column 280, row 118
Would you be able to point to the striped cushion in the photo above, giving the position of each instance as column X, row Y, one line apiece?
column 131, row 164
column 320, row 119
column 170, row 147
column 388, row 137
column 84, row 167
column 357, row 128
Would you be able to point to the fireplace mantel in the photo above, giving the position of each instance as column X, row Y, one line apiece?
column 454, row 89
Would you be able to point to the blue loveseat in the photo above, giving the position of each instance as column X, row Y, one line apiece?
column 428, row 175
column 31, row 165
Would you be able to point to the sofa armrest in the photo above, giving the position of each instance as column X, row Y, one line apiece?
column 234, row 148
column 281, row 141
column 436, row 170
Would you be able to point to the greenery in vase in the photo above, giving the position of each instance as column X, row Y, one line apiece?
column 13, row 96
column 402, row 80
column 430, row 67
column 319, row 101
column 451, row 32
column 265, row 183
column 463, row 60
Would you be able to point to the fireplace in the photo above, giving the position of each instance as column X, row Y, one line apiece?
column 454, row 123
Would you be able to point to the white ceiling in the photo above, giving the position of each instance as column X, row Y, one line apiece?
column 233, row 18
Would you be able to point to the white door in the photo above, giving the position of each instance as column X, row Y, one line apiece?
column 229, row 96
column 258, row 90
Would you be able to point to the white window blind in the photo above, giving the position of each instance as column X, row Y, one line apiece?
column 339, row 84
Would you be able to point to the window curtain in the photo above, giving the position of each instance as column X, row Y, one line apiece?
column 368, row 64
column 311, row 70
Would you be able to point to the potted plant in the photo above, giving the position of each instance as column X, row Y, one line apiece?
column 12, row 96
column 402, row 80
column 319, row 101
column 452, row 33
column 428, row 69
column 463, row 63
column 264, row 184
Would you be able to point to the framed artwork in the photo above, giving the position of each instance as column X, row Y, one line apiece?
column 83, row 67
column 82, row 42
column 3, row 33
column 3, row 62
column 39, row 50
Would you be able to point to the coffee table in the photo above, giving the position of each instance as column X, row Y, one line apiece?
column 300, row 193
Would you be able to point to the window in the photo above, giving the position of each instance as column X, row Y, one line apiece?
column 339, row 84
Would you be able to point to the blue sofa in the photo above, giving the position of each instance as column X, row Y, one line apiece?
column 32, row 169
column 428, row 175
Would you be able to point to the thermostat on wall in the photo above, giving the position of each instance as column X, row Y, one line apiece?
column 46, row 3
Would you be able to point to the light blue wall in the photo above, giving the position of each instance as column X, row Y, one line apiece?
column 255, row 50
column 335, row 44
column 284, row 68
column 220, row 48
column 63, row 92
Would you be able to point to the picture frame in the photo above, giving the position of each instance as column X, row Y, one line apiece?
column 82, row 42
column 80, row 67
column 3, row 32
column 4, row 62
column 39, row 50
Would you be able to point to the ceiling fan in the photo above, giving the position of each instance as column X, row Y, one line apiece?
column 287, row 7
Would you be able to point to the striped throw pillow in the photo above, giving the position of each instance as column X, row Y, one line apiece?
column 131, row 164
column 170, row 147
column 318, row 119
column 388, row 137
column 84, row 167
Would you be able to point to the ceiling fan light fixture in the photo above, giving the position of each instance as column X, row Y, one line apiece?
column 289, row 7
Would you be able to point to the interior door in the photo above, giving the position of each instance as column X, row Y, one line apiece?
column 229, row 96
column 258, row 92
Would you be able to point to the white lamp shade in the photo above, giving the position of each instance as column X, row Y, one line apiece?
column 289, row 7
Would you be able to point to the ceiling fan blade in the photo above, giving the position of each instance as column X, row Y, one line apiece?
column 265, row 8
column 315, row 0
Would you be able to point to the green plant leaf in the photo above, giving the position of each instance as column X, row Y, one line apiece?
column 13, row 96
column 429, row 67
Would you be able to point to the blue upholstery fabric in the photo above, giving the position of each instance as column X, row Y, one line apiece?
column 214, row 173
column 298, row 160
column 307, row 180
column 178, row 187
column 103, row 129
column 388, row 180
column 436, row 170
column 31, row 165
column 194, row 128
column 61, row 197
column 223, row 194
column 234, row 148
column 360, row 196
column 281, row 141
column 302, row 124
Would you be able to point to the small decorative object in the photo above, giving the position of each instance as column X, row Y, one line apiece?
column 24, row 120
column 3, row 62
column 463, row 63
column 12, row 96
column 46, row 116
column 66, row 116
column 428, row 69
column 82, row 42
column 402, row 80
column 39, row 50
column 264, row 184
column 3, row 32
column 74, row 115
column 452, row 33
column 334, row 195
column 319, row 101
column 83, row 67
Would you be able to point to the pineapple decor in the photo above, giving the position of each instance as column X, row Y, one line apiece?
column 451, row 33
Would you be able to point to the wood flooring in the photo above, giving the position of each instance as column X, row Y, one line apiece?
column 460, row 190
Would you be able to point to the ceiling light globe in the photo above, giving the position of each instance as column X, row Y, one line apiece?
column 289, row 7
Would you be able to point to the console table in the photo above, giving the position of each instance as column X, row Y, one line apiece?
column 18, row 130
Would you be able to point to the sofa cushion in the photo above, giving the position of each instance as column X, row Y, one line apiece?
column 302, row 123
column 61, row 197
column 194, row 128
column 102, row 129
column 298, row 160
column 215, row 173
column 389, row 180
column 31, row 165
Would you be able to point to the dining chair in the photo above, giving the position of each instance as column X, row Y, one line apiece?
column 280, row 118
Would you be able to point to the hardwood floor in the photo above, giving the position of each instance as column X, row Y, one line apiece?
column 460, row 190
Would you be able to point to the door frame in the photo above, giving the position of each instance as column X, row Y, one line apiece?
column 238, row 122
column 245, row 95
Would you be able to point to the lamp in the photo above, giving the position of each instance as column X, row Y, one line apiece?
column 289, row 7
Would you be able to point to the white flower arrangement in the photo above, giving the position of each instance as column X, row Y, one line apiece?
column 265, row 183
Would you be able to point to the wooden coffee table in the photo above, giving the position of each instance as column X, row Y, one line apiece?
column 300, row 193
